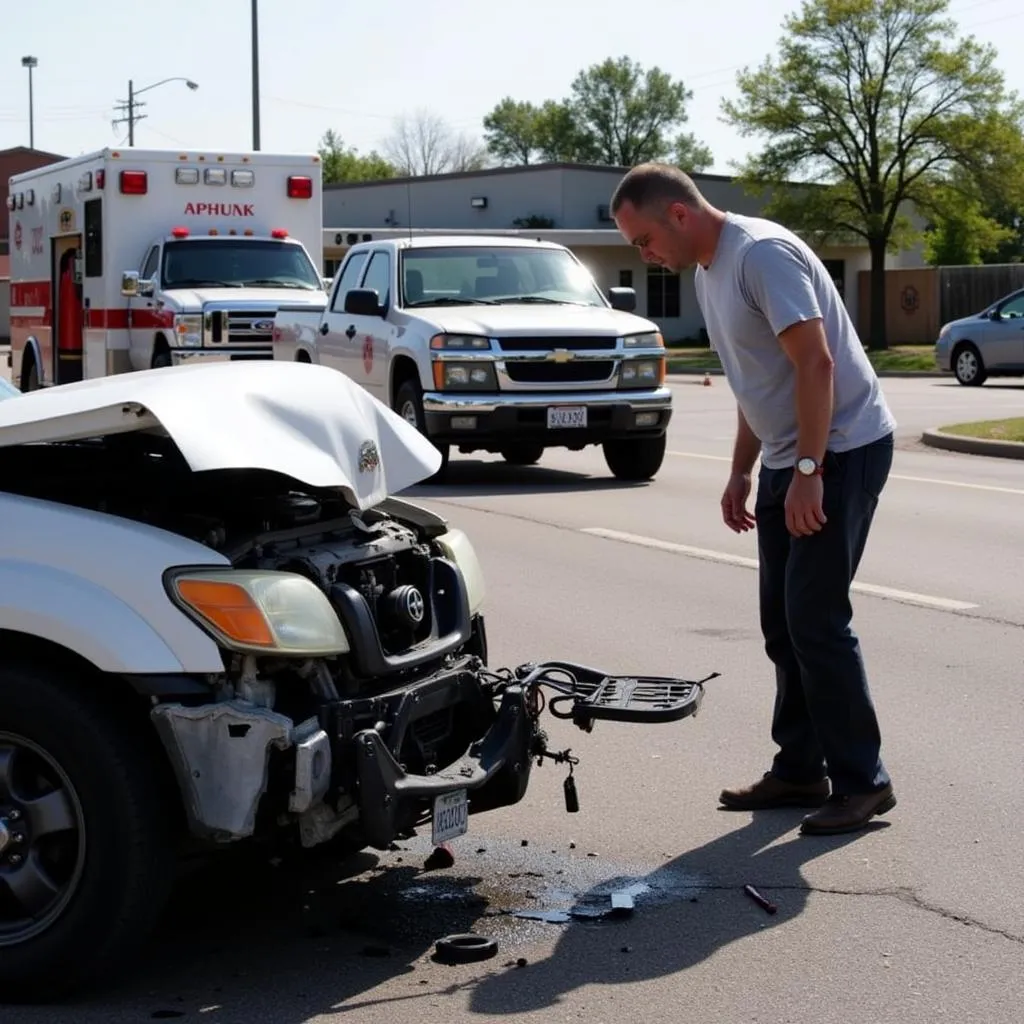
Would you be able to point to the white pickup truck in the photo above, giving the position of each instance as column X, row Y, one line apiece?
column 497, row 344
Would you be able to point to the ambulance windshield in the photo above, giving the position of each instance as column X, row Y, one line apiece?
column 237, row 263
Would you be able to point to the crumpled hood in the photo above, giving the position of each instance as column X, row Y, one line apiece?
column 512, row 320
column 189, row 300
column 305, row 421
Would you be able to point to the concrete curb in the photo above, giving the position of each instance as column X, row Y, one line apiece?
column 973, row 445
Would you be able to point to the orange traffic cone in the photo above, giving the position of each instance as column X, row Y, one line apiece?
column 707, row 380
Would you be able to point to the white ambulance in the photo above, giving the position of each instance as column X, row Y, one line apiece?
column 129, row 259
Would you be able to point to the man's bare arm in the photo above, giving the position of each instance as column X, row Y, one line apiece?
column 806, row 346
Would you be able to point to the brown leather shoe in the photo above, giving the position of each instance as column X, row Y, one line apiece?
column 770, row 792
column 848, row 813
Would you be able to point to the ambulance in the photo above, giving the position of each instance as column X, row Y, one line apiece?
column 130, row 259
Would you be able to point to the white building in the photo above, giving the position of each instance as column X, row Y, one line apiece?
column 566, row 203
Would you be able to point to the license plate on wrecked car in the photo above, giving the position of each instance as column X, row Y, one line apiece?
column 561, row 416
column 451, row 816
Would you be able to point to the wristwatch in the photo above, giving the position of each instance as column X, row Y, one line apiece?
column 808, row 466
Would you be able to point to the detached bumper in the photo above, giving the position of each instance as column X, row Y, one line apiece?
column 494, row 419
column 495, row 771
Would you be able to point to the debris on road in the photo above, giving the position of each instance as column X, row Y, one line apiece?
column 442, row 857
column 465, row 948
column 759, row 899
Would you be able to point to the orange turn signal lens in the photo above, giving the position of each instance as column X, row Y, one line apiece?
column 229, row 609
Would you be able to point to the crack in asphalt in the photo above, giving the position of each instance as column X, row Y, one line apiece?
column 900, row 893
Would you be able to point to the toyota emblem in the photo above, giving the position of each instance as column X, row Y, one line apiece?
column 415, row 607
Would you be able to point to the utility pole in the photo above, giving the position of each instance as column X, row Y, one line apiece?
column 129, row 109
column 30, row 63
column 255, row 77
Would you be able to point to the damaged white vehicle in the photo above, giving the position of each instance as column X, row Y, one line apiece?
column 218, row 625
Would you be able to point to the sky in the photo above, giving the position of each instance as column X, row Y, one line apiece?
column 355, row 67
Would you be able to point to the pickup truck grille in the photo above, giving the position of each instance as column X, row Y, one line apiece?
column 574, row 344
column 588, row 371
column 243, row 327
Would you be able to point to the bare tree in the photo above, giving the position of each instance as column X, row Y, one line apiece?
column 424, row 143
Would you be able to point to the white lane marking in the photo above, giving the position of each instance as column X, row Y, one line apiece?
column 887, row 593
column 892, row 476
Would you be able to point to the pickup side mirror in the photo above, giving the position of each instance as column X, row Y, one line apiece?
column 623, row 299
column 362, row 302
column 130, row 284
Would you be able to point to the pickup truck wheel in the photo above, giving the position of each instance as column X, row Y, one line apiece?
column 637, row 458
column 85, row 845
column 522, row 454
column 409, row 405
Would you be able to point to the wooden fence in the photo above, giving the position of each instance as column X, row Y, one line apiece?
column 920, row 300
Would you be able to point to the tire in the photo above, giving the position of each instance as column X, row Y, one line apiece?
column 409, row 405
column 32, row 377
column 102, row 842
column 637, row 458
column 968, row 366
column 523, row 454
column 161, row 358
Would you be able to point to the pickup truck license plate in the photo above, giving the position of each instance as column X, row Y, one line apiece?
column 561, row 416
column 451, row 817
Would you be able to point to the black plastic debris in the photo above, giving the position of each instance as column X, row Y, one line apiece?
column 441, row 858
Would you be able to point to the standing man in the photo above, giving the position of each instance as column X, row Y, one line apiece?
column 809, row 404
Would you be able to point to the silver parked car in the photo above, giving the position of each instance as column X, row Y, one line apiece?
column 986, row 344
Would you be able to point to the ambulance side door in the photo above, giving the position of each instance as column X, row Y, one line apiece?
column 142, row 311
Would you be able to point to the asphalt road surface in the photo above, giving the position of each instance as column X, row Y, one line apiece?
column 919, row 919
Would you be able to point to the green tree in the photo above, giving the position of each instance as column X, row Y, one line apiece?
column 345, row 164
column 617, row 113
column 879, row 103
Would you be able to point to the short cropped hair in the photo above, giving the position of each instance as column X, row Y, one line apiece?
column 655, row 183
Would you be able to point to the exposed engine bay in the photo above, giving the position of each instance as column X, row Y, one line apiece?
column 409, row 726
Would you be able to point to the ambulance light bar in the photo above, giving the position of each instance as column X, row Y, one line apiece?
column 179, row 232
column 279, row 233
column 134, row 183
column 300, row 187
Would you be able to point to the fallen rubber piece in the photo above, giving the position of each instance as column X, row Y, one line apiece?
column 465, row 948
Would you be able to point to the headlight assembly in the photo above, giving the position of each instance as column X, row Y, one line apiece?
column 261, row 612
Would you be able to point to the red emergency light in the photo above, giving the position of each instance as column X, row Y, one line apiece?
column 179, row 232
column 279, row 233
column 134, row 183
column 101, row 178
column 300, row 187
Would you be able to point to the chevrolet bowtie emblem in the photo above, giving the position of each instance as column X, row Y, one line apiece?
column 562, row 355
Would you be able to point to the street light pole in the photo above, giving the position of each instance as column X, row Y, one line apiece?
column 30, row 63
column 255, row 77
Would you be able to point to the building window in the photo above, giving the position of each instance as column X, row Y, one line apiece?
column 625, row 278
column 837, row 271
column 662, row 294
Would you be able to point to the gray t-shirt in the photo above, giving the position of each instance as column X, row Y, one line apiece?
column 763, row 279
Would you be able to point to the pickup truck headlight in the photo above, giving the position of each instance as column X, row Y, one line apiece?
column 459, row 549
column 642, row 373
column 650, row 340
column 261, row 612
column 454, row 375
column 188, row 329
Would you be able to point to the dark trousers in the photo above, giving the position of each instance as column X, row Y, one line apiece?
column 824, row 720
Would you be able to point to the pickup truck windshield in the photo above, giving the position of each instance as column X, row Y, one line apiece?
column 495, row 274
column 237, row 263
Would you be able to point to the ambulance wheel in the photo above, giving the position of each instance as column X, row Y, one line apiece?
column 31, row 378
column 162, row 357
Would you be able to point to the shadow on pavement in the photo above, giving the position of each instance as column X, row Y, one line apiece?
column 246, row 940
column 666, row 939
column 469, row 477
